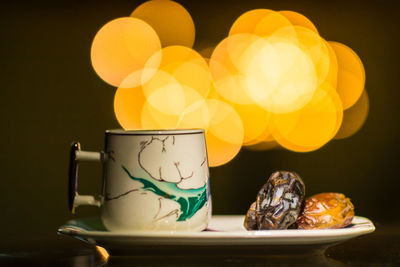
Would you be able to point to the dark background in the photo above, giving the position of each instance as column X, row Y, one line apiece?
column 50, row 96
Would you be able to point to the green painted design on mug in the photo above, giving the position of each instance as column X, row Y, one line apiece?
column 190, row 200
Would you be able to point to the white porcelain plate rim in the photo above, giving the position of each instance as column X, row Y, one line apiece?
column 228, row 227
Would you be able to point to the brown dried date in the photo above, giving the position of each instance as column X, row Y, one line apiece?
column 326, row 211
column 278, row 203
column 250, row 221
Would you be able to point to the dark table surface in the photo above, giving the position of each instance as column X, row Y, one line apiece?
column 379, row 248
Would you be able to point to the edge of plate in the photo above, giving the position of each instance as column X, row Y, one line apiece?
column 363, row 226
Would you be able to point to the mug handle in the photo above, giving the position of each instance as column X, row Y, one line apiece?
column 76, row 154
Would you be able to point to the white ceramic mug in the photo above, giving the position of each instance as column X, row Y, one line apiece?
column 152, row 180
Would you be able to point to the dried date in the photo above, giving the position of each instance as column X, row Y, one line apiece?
column 250, row 221
column 326, row 211
column 278, row 202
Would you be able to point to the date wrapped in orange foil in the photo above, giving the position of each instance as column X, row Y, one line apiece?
column 326, row 211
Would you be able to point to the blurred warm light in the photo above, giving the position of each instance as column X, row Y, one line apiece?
column 195, row 76
column 351, row 74
column 262, row 146
column 174, row 106
column 263, row 142
column 248, row 21
column 152, row 118
column 354, row 117
column 280, row 76
column 196, row 115
column 273, row 82
column 165, row 93
column 311, row 127
column 255, row 121
column 170, row 20
column 225, row 133
column 121, row 48
column 182, row 79
column 332, row 75
column 317, row 50
column 128, row 104
column 183, row 64
column 266, row 20
column 298, row 19
column 228, row 80
column 271, row 23
column 265, row 137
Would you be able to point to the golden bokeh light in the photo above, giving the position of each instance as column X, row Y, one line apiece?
column 298, row 19
column 128, row 104
column 265, row 137
column 193, row 75
column 311, row 127
column 213, row 94
column 183, row 64
column 152, row 118
column 225, row 133
column 219, row 151
column 271, row 23
column 354, row 117
column 196, row 115
column 280, row 76
column 228, row 80
column 334, row 96
column 272, row 83
column 182, row 78
column 261, row 22
column 165, row 93
column 255, row 121
column 331, row 76
column 351, row 74
column 170, row 20
column 177, row 54
column 121, row 49
column 316, row 48
column 263, row 146
column 248, row 21
column 237, row 45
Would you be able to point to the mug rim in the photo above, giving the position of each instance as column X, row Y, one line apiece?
column 154, row 132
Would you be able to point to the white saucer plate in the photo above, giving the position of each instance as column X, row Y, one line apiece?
column 223, row 230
